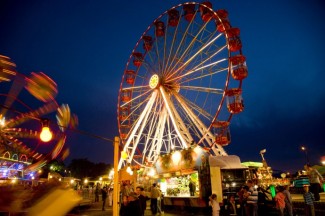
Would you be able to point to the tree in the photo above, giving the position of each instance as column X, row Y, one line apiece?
column 81, row 168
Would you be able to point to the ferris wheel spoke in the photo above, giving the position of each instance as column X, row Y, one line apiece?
column 179, row 125
column 203, row 76
column 132, row 133
column 175, row 60
column 203, row 89
column 193, row 56
column 147, row 148
column 135, row 108
column 199, row 67
column 200, row 126
column 172, row 45
column 151, row 127
column 158, row 136
column 136, row 137
column 136, row 88
column 197, row 108
column 194, row 39
column 136, row 98
column 149, row 67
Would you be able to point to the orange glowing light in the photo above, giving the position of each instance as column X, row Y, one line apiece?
column 46, row 134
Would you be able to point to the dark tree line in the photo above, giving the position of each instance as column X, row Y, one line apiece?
column 81, row 168
column 78, row 168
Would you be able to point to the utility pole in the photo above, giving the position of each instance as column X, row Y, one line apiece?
column 116, row 189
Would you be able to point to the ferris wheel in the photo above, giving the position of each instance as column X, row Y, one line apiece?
column 27, row 103
column 181, row 85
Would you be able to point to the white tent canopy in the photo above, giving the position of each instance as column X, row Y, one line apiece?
column 226, row 162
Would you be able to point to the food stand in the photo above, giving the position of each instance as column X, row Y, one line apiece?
column 176, row 171
column 179, row 171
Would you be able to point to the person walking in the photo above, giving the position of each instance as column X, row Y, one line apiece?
column 97, row 193
column 104, row 197
column 123, row 207
column 231, row 206
column 242, row 199
column 154, row 194
column 309, row 202
column 110, row 197
column 214, row 204
column 280, row 200
column 192, row 187
column 142, row 197
column 134, row 206
column 288, row 200
column 252, row 199
column 315, row 180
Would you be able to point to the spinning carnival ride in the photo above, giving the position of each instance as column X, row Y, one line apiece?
column 27, row 104
column 181, row 85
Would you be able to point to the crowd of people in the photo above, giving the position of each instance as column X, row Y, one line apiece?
column 134, row 203
column 253, row 200
column 250, row 200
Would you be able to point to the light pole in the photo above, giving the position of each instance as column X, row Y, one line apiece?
column 116, row 176
column 304, row 149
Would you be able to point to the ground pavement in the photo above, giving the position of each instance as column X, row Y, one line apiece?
column 90, row 208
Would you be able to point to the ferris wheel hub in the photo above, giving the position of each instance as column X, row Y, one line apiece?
column 154, row 81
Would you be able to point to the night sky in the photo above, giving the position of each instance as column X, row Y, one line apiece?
column 84, row 46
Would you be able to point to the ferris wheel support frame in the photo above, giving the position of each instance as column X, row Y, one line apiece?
column 144, row 115
column 181, row 130
column 157, row 142
column 207, row 135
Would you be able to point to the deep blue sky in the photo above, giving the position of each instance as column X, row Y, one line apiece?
column 84, row 46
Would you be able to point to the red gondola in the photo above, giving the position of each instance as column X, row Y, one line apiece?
column 223, row 25
column 173, row 18
column 240, row 72
column 189, row 10
column 129, row 76
column 160, row 28
column 147, row 43
column 137, row 59
column 233, row 32
column 237, row 59
column 235, row 102
column 222, row 14
column 124, row 113
column 234, row 44
column 222, row 132
column 126, row 95
column 206, row 13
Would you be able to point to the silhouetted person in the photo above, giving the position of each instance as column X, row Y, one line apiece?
column 104, row 196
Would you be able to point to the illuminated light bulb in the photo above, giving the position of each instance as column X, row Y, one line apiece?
column 124, row 155
column 46, row 134
column 176, row 157
column 151, row 172
column 128, row 169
